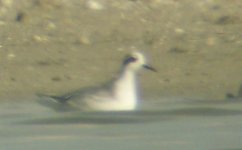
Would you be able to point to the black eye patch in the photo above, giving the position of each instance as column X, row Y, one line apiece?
column 129, row 60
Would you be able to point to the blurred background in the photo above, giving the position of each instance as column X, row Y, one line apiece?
column 52, row 46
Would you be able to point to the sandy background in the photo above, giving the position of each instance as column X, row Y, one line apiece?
column 56, row 46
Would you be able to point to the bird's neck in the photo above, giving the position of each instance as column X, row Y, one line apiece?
column 128, row 79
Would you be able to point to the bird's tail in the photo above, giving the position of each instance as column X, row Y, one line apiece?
column 53, row 102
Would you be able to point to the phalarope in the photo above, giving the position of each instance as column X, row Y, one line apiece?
column 118, row 95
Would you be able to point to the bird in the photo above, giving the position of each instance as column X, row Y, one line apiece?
column 119, row 94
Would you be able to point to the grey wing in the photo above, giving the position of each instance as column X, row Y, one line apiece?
column 81, row 93
column 62, row 102
column 71, row 95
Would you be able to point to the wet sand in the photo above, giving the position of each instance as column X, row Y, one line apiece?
column 53, row 46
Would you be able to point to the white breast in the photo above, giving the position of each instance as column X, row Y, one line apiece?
column 126, row 92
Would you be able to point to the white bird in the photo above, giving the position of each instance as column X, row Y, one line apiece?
column 118, row 95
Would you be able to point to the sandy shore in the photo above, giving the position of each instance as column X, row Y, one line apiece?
column 53, row 46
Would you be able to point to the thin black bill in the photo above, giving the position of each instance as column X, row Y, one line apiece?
column 149, row 68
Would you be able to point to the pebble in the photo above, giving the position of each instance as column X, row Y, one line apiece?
column 11, row 56
column 7, row 3
column 95, row 5
column 84, row 40
column 211, row 41
column 179, row 31
column 39, row 38
column 2, row 23
column 51, row 26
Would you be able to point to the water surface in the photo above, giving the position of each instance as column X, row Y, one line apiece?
column 172, row 124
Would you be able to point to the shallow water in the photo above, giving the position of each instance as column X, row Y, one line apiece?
column 173, row 124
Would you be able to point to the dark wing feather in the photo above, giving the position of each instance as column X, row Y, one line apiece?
column 78, row 93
